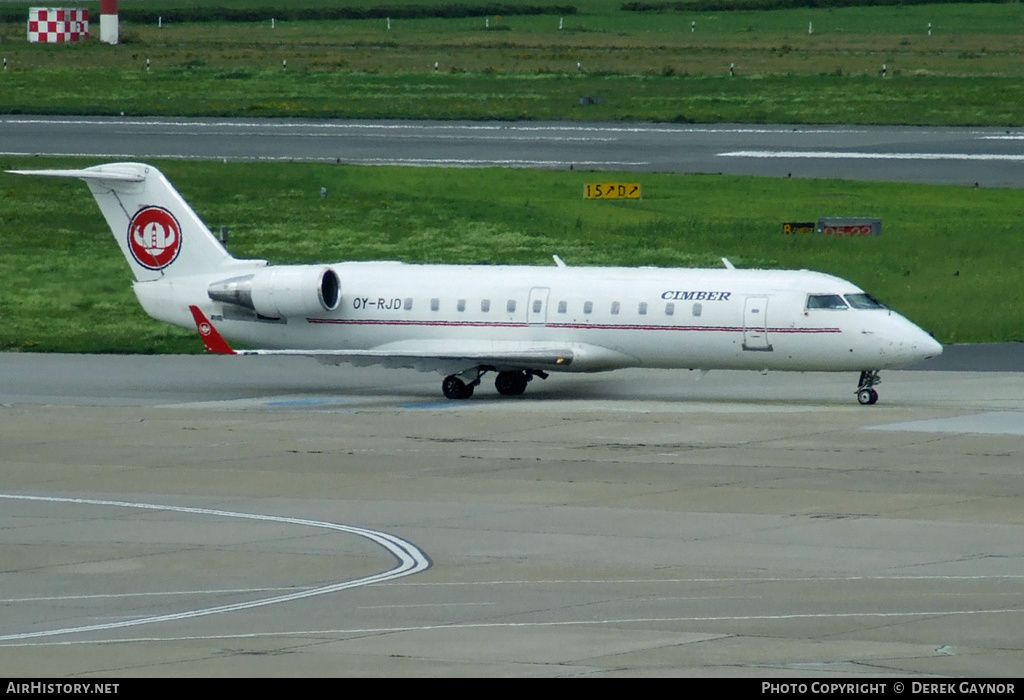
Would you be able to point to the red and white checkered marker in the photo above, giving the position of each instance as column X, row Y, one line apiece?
column 50, row 25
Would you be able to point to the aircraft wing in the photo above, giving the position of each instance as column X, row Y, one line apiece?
column 449, row 357
column 445, row 356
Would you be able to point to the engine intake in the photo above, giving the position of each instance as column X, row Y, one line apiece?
column 285, row 290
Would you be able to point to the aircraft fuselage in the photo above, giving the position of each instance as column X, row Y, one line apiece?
column 645, row 317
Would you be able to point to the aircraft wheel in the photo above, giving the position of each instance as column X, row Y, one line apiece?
column 867, row 397
column 510, row 383
column 454, row 388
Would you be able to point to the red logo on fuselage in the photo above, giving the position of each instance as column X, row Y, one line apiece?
column 154, row 238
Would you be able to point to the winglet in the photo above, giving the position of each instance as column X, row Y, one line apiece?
column 213, row 340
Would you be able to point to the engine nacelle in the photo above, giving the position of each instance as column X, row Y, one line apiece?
column 281, row 291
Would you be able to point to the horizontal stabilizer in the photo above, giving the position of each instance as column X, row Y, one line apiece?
column 106, row 174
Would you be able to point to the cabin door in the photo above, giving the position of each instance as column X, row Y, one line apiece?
column 538, row 307
column 755, row 324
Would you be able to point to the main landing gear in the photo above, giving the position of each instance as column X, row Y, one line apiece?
column 508, row 383
column 866, row 394
column 454, row 388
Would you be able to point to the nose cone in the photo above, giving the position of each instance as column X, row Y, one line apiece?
column 903, row 343
column 914, row 345
column 924, row 347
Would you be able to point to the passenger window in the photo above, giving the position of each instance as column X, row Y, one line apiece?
column 461, row 305
column 698, row 309
column 511, row 306
column 408, row 304
column 642, row 310
column 825, row 301
column 562, row 307
column 485, row 305
column 537, row 306
column 588, row 307
column 670, row 308
column 435, row 304
column 615, row 308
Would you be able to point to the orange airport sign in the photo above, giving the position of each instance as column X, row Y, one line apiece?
column 611, row 190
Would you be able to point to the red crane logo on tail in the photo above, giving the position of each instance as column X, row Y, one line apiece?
column 154, row 238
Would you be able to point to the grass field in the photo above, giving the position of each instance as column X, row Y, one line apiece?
column 646, row 66
column 947, row 256
column 772, row 99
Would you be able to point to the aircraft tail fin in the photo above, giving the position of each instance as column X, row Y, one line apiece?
column 158, row 232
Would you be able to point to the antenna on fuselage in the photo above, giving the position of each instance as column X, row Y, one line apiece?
column 728, row 265
column 558, row 261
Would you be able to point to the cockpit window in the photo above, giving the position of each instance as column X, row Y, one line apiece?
column 825, row 301
column 863, row 301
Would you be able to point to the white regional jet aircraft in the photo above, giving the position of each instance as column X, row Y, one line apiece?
column 466, row 320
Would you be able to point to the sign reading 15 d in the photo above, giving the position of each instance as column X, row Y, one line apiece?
column 611, row 190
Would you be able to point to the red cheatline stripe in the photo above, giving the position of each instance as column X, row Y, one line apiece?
column 572, row 326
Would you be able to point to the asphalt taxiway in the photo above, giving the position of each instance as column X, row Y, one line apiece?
column 964, row 156
column 205, row 516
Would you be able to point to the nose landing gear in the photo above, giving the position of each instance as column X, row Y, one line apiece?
column 866, row 394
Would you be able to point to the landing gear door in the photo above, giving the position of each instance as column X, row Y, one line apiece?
column 538, row 306
column 755, row 325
